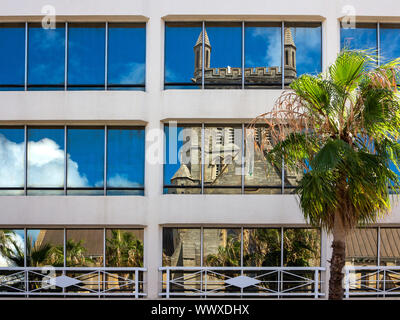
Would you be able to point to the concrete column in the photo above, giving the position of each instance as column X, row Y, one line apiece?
column 154, row 149
column 326, row 253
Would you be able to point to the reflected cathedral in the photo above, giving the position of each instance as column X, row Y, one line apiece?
column 262, row 77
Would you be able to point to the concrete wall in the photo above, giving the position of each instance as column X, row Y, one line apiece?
column 154, row 106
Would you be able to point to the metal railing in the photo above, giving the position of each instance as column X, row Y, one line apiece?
column 253, row 282
column 73, row 281
column 372, row 281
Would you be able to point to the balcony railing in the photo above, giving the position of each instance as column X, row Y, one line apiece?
column 50, row 281
column 230, row 282
column 374, row 281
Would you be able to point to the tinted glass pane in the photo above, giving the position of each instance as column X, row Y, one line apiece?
column 182, row 159
column 11, row 158
column 301, row 247
column 261, row 176
column 261, row 247
column 390, row 247
column 362, row 247
column 263, row 55
column 363, row 37
column 126, row 53
column 390, row 42
column 85, row 158
column 46, row 157
column 12, row 55
column 302, row 50
column 86, row 54
column 46, row 52
column 12, row 248
column 181, row 54
column 222, row 157
column 84, row 248
column 181, row 247
column 222, row 247
column 124, row 248
column 224, row 61
column 125, row 158
column 45, row 247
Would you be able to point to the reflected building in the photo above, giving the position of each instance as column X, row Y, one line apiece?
column 222, row 171
column 269, row 77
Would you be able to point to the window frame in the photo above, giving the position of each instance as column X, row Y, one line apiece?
column 243, row 85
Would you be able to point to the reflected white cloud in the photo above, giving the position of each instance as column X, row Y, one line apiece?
column 134, row 73
column 45, row 166
column 11, row 163
column 272, row 56
column 121, row 181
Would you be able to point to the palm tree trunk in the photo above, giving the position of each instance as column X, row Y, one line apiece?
column 338, row 259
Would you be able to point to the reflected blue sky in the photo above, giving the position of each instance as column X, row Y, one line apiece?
column 46, row 52
column 263, row 47
column 362, row 38
column 126, row 54
column 179, row 53
column 170, row 168
column 12, row 55
column 46, row 157
column 86, row 54
column 308, row 49
column 390, row 42
column 86, row 148
column 125, row 158
column 226, row 46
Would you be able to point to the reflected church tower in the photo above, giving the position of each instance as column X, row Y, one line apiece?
column 231, row 76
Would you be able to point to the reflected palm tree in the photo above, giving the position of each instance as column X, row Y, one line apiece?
column 123, row 249
column 263, row 249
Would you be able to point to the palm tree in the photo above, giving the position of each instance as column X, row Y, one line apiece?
column 341, row 130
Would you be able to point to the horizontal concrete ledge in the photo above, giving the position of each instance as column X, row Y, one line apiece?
column 136, row 105
column 76, row 18
column 158, row 210
column 244, row 17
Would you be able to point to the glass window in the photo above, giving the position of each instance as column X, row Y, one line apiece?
column 301, row 247
column 362, row 37
column 125, row 160
column 362, row 247
column 223, row 41
column 126, row 55
column 124, row 248
column 222, row 247
column 223, row 158
column 183, row 55
column 86, row 55
column 46, row 160
column 261, row 247
column 84, row 247
column 12, row 248
column 85, row 166
column 181, row 247
column 389, row 42
column 263, row 55
column 45, row 247
column 260, row 176
column 46, row 52
column 12, row 160
column 302, row 50
column 182, row 159
column 12, row 56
